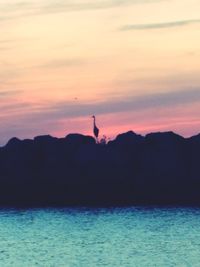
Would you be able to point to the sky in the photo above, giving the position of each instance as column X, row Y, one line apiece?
column 133, row 63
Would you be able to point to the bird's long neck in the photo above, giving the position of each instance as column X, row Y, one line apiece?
column 94, row 121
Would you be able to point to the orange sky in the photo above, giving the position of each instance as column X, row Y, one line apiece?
column 133, row 63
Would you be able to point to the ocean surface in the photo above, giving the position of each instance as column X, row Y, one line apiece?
column 137, row 236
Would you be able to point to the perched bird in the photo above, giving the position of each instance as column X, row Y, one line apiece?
column 95, row 129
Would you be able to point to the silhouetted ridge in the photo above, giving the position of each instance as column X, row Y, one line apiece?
column 160, row 168
column 79, row 139
column 129, row 138
column 13, row 142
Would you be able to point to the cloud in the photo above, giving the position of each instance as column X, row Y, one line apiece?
column 69, row 109
column 16, row 9
column 62, row 63
column 81, row 5
column 8, row 41
column 10, row 93
column 163, row 25
column 14, row 109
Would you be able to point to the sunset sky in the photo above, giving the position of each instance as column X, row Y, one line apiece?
column 135, row 64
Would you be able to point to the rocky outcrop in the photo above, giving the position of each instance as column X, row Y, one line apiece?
column 159, row 168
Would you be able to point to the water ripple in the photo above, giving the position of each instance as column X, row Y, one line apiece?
column 136, row 236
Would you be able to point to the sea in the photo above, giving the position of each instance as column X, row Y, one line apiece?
column 90, row 237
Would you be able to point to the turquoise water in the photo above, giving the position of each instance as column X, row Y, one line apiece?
column 100, row 237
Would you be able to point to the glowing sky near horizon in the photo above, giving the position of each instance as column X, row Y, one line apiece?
column 133, row 63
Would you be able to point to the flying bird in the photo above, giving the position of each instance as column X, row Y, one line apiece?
column 95, row 129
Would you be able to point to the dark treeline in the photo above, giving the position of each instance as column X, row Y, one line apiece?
column 160, row 168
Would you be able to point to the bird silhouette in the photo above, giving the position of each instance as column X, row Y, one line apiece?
column 95, row 129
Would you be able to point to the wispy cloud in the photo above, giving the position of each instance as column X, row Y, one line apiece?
column 73, row 109
column 7, row 41
column 16, row 9
column 152, row 26
column 90, row 5
column 62, row 63
column 10, row 93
